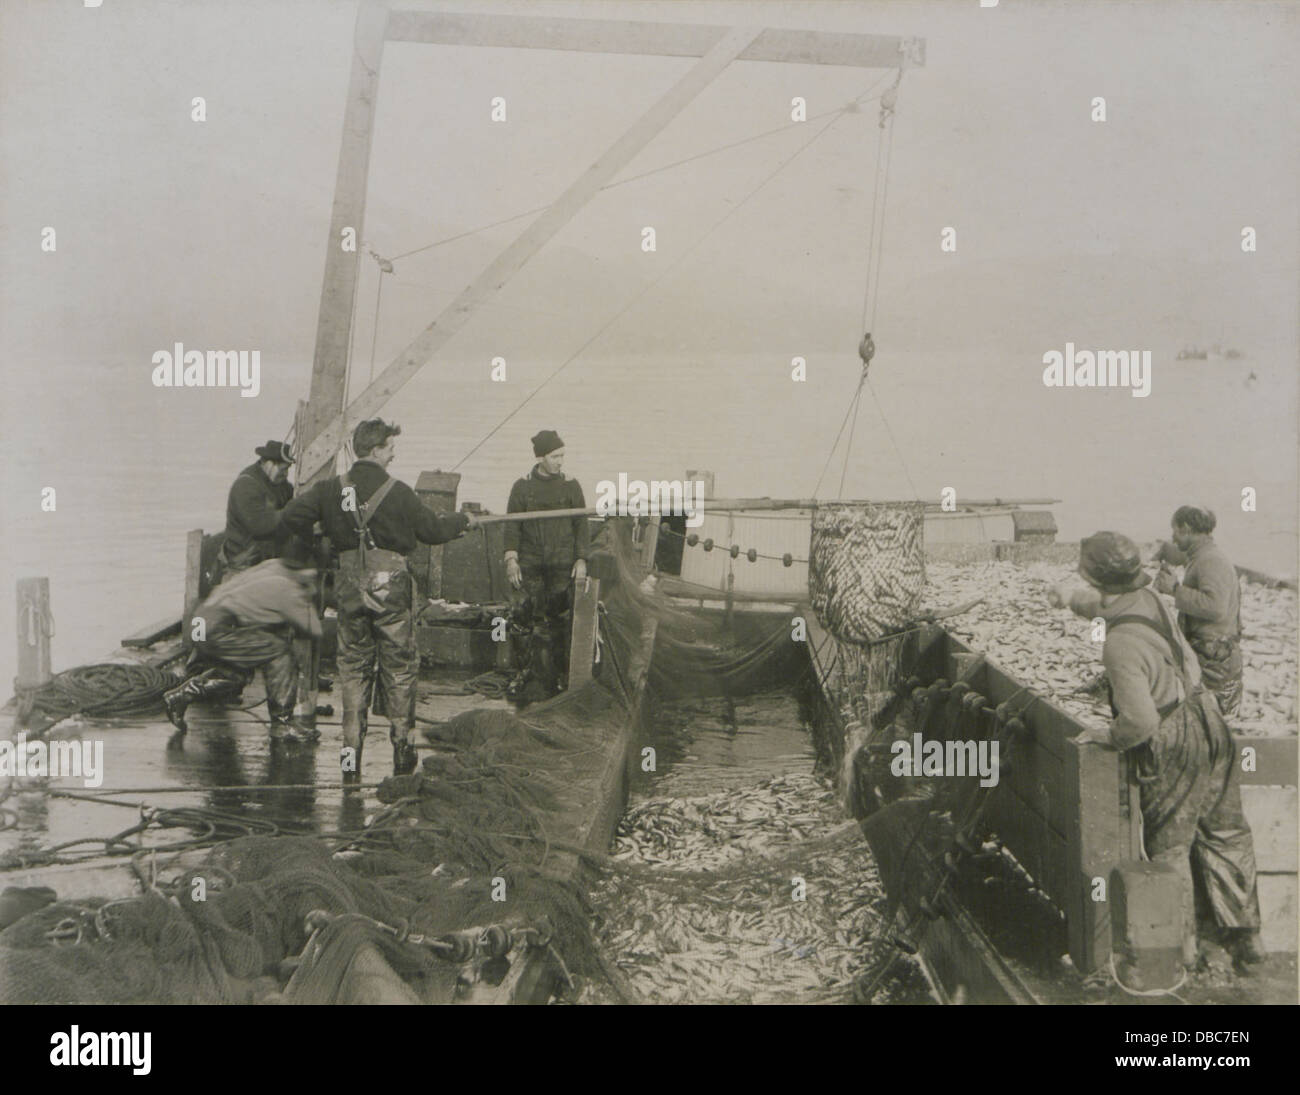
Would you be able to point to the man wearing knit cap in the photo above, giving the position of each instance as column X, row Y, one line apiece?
column 1184, row 756
column 1208, row 601
column 543, row 557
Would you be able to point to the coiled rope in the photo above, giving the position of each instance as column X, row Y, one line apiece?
column 103, row 690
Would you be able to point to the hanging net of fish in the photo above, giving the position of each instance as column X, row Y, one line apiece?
column 866, row 570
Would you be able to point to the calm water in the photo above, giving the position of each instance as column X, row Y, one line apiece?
column 135, row 467
column 707, row 745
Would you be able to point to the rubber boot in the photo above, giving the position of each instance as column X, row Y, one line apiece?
column 286, row 730
column 352, row 776
column 1246, row 948
column 544, row 667
column 176, row 702
column 404, row 754
column 352, row 779
column 521, row 658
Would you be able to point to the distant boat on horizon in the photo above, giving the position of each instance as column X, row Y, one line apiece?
column 1196, row 353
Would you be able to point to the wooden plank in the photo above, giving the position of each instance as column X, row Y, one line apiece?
column 159, row 629
column 462, row 647
column 649, row 542
column 582, row 641
column 334, row 323
column 327, row 439
column 1039, row 777
column 193, row 580
column 34, row 632
column 1101, row 839
column 437, row 490
column 651, row 39
column 1039, row 848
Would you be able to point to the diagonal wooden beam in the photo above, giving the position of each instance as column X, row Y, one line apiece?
column 651, row 39
column 325, row 444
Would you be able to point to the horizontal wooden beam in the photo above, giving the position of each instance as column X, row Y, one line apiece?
column 804, row 47
column 147, row 636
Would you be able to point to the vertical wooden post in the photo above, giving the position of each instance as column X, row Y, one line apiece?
column 582, row 644
column 193, row 578
column 437, row 490
column 327, row 434
column 34, row 631
column 1100, row 840
column 650, row 541
column 334, row 324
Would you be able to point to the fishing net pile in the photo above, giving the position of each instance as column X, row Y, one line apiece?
column 471, row 862
column 866, row 570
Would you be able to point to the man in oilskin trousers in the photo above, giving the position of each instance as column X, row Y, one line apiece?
column 248, row 622
column 374, row 521
column 1184, row 756
column 543, row 559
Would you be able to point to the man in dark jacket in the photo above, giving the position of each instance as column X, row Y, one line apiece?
column 248, row 622
column 374, row 522
column 253, row 508
column 1208, row 601
column 543, row 558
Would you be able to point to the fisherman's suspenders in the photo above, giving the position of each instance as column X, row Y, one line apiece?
column 363, row 513
column 1162, row 629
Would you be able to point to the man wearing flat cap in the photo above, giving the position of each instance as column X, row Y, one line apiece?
column 259, row 493
column 543, row 558
column 374, row 522
column 1208, row 600
column 1174, row 733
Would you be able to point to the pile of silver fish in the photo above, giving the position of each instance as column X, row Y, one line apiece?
column 1051, row 649
column 745, row 925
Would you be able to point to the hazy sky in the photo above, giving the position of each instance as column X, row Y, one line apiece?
column 214, row 232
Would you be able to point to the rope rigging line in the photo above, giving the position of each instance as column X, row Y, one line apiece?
column 374, row 337
column 871, row 291
column 853, row 427
column 857, row 393
column 892, row 440
column 879, row 198
column 646, row 174
column 838, row 114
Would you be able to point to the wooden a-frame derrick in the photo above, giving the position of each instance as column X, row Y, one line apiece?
column 326, row 423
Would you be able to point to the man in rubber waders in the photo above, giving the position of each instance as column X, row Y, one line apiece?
column 543, row 559
column 1208, row 600
column 248, row 622
column 1184, row 756
column 374, row 521
column 257, row 497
